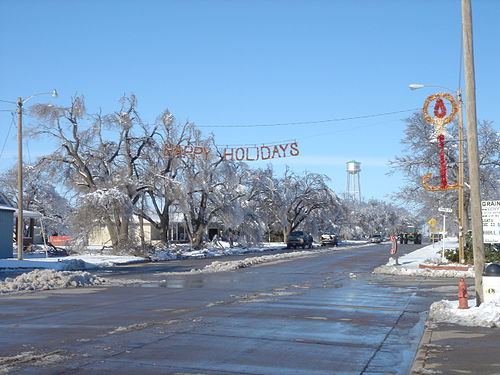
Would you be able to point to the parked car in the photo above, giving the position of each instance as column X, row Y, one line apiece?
column 329, row 240
column 376, row 238
column 299, row 238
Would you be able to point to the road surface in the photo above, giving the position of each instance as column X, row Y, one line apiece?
column 323, row 314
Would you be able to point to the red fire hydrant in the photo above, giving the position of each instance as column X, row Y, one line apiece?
column 463, row 302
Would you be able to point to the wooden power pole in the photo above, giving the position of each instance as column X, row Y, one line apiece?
column 472, row 149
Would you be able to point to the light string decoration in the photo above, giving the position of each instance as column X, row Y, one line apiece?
column 242, row 153
column 255, row 152
column 439, row 121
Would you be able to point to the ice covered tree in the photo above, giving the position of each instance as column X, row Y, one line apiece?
column 97, row 153
column 39, row 195
column 294, row 197
column 421, row 155
column 374, row 216
column 236, row 198
column 160, row 171
column 210, row 189
column 326, row 220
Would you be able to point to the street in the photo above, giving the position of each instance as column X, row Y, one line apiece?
column 323, row 314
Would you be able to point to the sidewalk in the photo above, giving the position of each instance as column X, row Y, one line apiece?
column 454, row 349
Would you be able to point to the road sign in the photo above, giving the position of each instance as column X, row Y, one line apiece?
column 443, row 209
column 491, row 221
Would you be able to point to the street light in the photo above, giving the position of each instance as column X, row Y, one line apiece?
column 20, row 225
column 461, row 215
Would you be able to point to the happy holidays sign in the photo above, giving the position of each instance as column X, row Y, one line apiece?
column 251, row 153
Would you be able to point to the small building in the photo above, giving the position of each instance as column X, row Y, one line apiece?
column 6, row 231
column 6, row 227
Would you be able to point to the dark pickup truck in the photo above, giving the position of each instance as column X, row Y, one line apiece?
column 299, row 238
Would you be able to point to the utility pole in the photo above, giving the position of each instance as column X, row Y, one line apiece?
column 472, row 149
column 20, row 221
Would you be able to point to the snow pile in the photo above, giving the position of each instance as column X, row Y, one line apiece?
column 224, row 266
column 484, row 315
column 409, row 265
column 424, row 272
column 49, row 279
column 8, row 364
column 68, row 263
column 219, row 248
column 232, row 265
column 222, row 248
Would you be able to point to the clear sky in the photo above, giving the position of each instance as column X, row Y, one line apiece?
column 239, row 62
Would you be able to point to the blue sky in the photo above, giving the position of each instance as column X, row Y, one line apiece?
column 238, row 62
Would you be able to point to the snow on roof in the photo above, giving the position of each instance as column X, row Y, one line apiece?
column 29, row 214
column 4, row 207
column 175, row 217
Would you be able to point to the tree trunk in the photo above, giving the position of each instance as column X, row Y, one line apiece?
column 165, row 225
column 113, row 235
column 197, row 237
column 141, row 226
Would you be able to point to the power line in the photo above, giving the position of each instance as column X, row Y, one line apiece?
column 7, row 136
column 308, row 122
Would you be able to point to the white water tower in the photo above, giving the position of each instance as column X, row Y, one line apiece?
column 353, row 188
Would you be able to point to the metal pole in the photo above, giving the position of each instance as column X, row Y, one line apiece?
column 472, row 149
column 442, row 241
column 20, row 223
column 461, row 216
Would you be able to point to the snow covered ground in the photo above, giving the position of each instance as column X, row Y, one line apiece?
column 485, row 315
column 428, row 256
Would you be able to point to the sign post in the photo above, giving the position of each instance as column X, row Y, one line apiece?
column 444, row 211
column 394, row 248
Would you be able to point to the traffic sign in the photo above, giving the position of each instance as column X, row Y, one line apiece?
column 443, row 209
column 491, row 221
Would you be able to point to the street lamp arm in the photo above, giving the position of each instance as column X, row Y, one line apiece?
column 53, row 93
column 416, row 86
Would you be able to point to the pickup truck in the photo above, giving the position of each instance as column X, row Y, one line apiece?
column 329, row 239
column 299, row 238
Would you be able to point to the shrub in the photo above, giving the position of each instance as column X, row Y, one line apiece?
column 491, row 252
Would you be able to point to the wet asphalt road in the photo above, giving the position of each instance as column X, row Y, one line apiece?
column 324, row 314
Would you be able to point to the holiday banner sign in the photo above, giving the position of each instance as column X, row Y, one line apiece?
column 439, row 121
column 242, row 153
column 183, row 151
column 261, row 152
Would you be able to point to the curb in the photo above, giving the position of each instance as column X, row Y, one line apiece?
column 452, row 268
column 421, row 355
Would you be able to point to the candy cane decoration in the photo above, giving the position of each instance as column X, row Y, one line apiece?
column 439, row 122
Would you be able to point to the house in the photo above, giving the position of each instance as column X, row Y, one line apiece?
column 29, row 217
column 6, row 227
column 177, row 232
